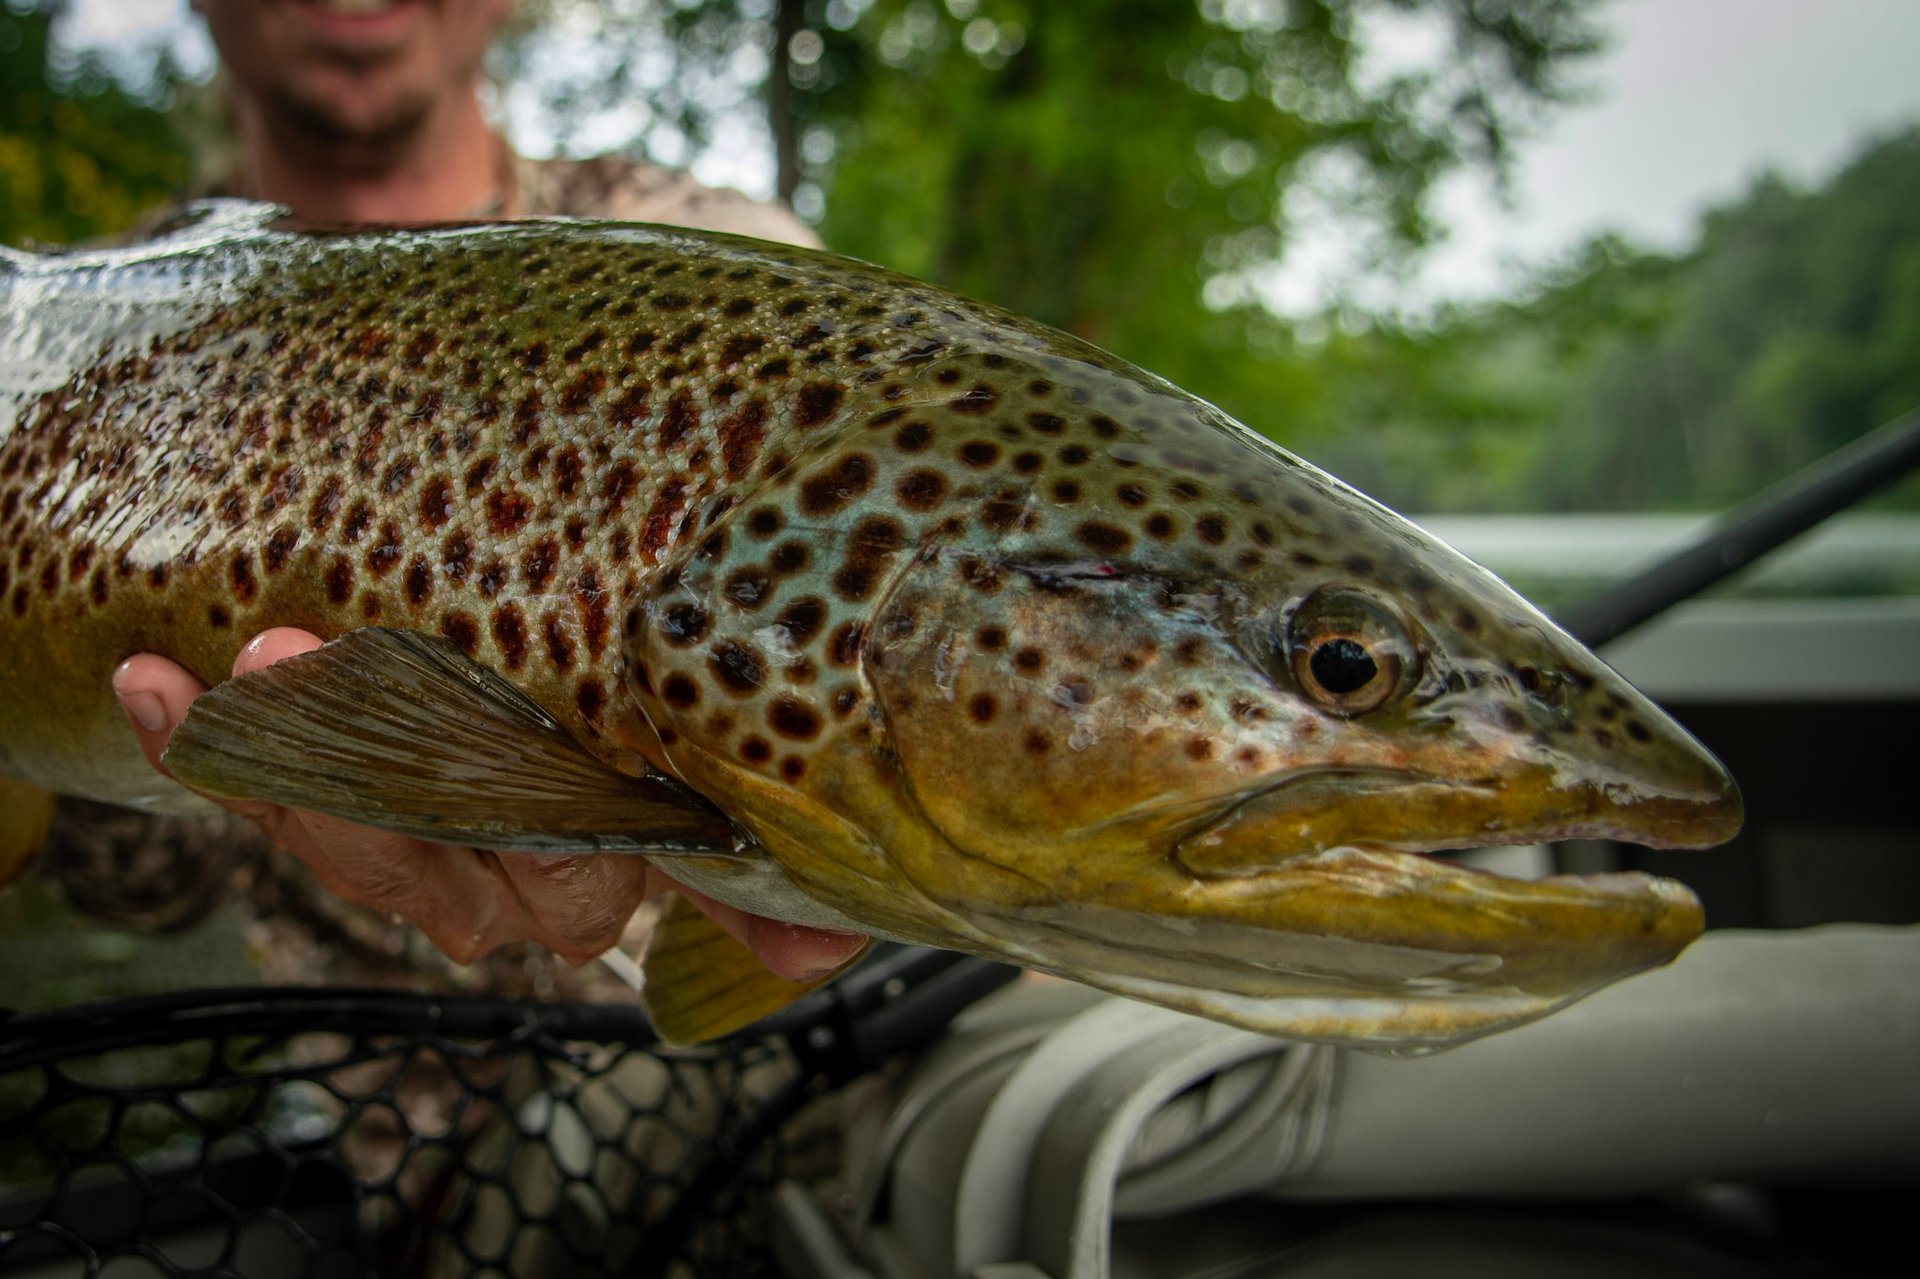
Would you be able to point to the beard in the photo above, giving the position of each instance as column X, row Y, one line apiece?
column 369, row 130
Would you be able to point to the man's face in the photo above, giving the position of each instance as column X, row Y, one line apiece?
column 352, row 70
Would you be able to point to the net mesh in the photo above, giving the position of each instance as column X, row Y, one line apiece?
column 336, row 1133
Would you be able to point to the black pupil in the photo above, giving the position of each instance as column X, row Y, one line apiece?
column 1342, row 667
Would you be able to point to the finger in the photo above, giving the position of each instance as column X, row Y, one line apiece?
column 271, row 646
column 793, row 951
column 461, row 898
column 580, row 903
column 155, row 694
column 800, row 953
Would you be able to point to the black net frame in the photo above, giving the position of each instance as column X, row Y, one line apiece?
column 332, row 1132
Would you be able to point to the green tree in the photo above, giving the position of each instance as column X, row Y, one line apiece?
column 80, row 155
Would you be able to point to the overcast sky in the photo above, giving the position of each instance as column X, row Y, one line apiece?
column 1693, row 99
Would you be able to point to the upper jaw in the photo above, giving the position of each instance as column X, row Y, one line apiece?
column 1309, row 811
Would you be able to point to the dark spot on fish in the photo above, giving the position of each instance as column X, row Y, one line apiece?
column 793, row 768
column 803, row 618
column 756, row 750
column 844, row 701
column 1190, row 651
column 1002, row 513
column 991, row 638
column 738, row 667
column 912, row 437
column 921, row 490
column 278, row 548
column 816, row 403
column 436, row 502
column 241, row 574
column 741, row 435
column 1106, row 539
column 591, row 598
column 339, row 579
column 419, row 580
column 678, row 420
column 684, row 624
column 590, row 698
column 218, row 617
column 480, row 472
column 1103, row 426
column 559, row 647
column 792, row 718
column 1199, row 749
column 763, row 522
column 510, row 633
column 398, row 476
column 1185, row 490
column 980, row 399
column 620, row 483
column 789, row 557
column 980, row 575
column 1036, row 742
column 1046, row 423
column 1360, row 566
column 1638, row 731
column 828, row 490
column 748, row 587
column 679, row 691
column 854, row 581
column 982, row 707
column 659, row 525
column 567, row 472
column 843, row 649
column 1073, row 455
column 1066, row 491
column 979, row 453
column 463, row 631
column 538, row 562
column 1210, row 529
column 1029, row 661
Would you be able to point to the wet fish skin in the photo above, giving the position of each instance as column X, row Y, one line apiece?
column 987, row 639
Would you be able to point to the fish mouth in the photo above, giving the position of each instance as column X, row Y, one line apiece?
column 1403, row 811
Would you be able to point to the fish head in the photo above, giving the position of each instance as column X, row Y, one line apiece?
column 1177, row 714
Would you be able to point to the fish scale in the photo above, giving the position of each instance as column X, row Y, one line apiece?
column 970, row 633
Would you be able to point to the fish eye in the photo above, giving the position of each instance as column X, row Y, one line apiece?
column 1348, row 651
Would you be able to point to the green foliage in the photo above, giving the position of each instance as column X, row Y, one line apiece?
column 80, row 156
column 1638, row 381
column 1123, row 169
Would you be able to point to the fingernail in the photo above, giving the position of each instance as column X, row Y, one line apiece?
column 145, row 709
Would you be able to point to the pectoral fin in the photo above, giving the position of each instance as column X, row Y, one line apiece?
column 402, row 731
column 702, row 984
column 25, row 813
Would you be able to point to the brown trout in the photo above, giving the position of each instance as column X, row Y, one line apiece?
column 860, row 604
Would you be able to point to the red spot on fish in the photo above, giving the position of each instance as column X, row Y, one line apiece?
column 461, row 629
column 658, row 529
column 507, row 511
column 591, row 599
column 559, row 647
column 278, row 548
column 340, row 581
column 620, row 483
column 678, row 419
column 241, row 575
column 741, row 435
column 384, row 553
column 510, row 633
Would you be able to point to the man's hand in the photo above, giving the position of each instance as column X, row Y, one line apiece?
column 466, row 900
